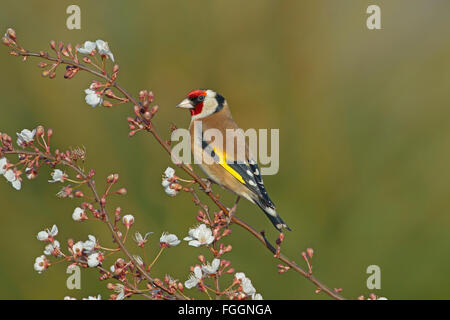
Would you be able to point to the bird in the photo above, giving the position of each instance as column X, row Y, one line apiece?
column 237, row 172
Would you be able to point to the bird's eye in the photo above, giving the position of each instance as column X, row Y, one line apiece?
column 201, row 98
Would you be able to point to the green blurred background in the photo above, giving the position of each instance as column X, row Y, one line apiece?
column 364, row 129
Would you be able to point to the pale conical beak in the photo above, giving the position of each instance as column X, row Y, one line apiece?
column 186, row 103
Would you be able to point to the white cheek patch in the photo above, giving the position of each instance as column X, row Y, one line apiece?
column 209, row 107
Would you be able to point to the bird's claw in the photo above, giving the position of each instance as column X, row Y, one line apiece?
column 208, row 184
column 232, row 211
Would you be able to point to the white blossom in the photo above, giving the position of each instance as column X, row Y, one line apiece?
column 248, row 287
column 103, row 49
column 202, row 235
column 79, row 214
column 87, row 47
column 169, row 173
column 78, row 248
column 47, row 235
column 211, row 268
column 170, row 192
column 31, row 173
column 11, row 177
column 128, row 220
column 257, row 296
column 95, row 259
column 166, row 183
column 58, row 176
column 52, row 249
column 99, row 297
column 141, row 240
column 69, row 298
column 246, row 283
column 240, row 275
column 90, row 244
column 169, row 240
column 194, row 278
column 93, row 98
column 168, row 179
column 138, row 260
column 120, row 289
column 3, row 163
column 41, row 264
column 25, row 136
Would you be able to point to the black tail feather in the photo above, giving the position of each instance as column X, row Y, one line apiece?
column 273, row 216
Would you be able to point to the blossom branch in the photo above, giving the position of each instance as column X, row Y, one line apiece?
column 143, row 121
column 101, row 201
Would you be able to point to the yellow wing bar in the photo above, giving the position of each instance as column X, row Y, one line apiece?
column 223, row 162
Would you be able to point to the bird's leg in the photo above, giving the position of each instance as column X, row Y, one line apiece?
column 232, row 210
column 208, row 183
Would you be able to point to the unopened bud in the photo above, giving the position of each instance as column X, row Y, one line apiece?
column 158, row 282
column 143, row 94
column 154, row 110
column 49, row 132
column 53, row 44
column 40, row 131
column 65, row 52
column 122, row 191
column 11, row 33
column 128, row 220
column 137, row 110
column 310, row 252
column 6, row 41
column 79, row 194
column 230, row 271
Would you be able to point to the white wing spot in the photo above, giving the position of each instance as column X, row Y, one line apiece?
column 250, row 182
column 249, row 173
column 271, row 212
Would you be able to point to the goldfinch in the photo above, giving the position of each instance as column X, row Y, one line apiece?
column 237, row 172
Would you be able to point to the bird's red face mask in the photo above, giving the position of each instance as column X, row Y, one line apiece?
column 194, row 102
